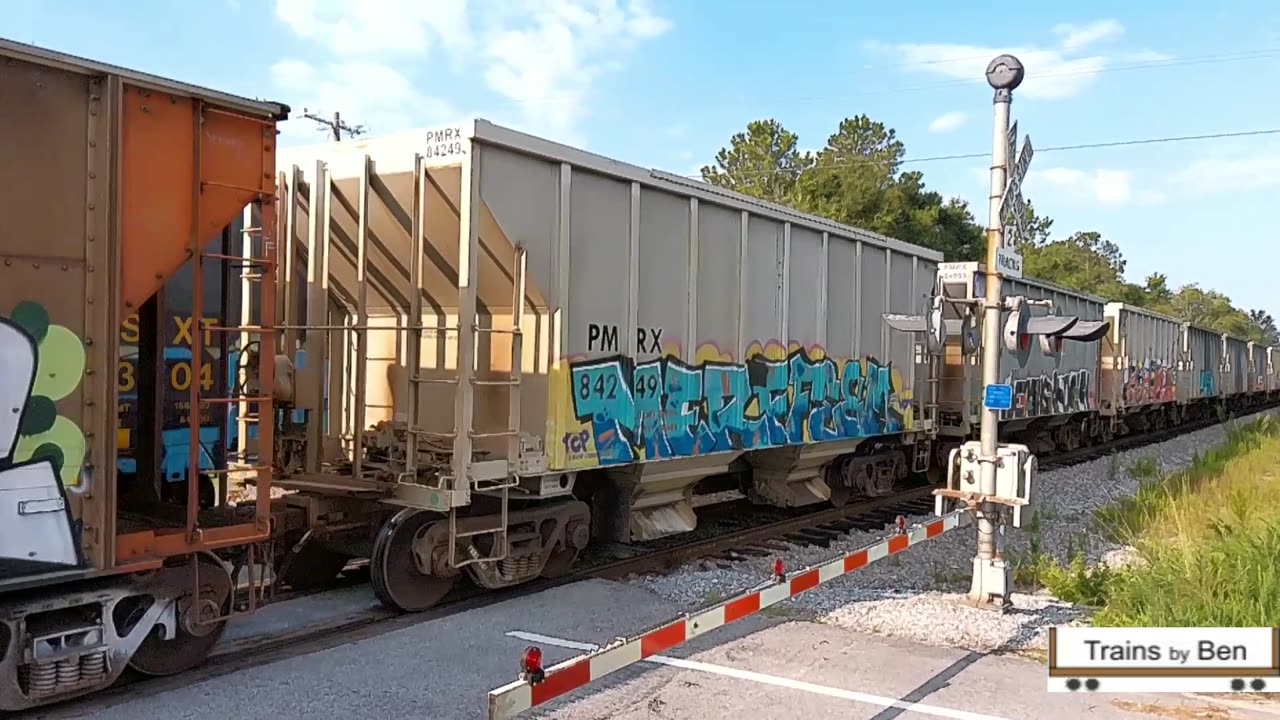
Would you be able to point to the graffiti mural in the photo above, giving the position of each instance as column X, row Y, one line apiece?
column 1208, row 383
column 41, row 452
column 1149, row 384
column 176, row 379
column 665, row 408
column 1051, row 394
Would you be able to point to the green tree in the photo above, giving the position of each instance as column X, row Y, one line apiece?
column 1083, row 261
column 855, row 179
column 1157, row 291
column 1036, row 227
column 763, row 162
column 1266, row 327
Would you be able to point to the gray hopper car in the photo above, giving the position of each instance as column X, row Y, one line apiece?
column 1259, row 367
column 1273, row 370
column 1236, row 366
column 1141, row 360
column 1202, row 350
column 1054, row 372
column 497, row 318
column 1149, row 371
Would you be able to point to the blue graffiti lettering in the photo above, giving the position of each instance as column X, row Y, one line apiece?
column 666, row 408
column 1208, row 384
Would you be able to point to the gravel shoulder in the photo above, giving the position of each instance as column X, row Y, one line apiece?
column 919, row 594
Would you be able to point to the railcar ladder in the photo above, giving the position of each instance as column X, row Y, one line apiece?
column 257, row 264
column 465, row 383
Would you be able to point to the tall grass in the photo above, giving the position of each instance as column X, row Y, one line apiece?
column 1207, row 540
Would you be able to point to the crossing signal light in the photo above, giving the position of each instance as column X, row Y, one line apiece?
column 531, row 664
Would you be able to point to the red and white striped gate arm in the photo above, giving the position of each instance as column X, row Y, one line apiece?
column 514, row 698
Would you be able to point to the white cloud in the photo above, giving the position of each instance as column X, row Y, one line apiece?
column 1076, row 37
column 1230, row 174
column 361, row 90
column 1052, row 72
column 1107, row 187
column 543, row 55
column 377, row 26
column 947, row 122
column 547, row 61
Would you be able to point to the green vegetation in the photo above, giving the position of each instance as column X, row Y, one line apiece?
column 1205, row 538
column 857, row 178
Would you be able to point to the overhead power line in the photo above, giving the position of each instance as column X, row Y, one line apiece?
column 1257, row 54
column 987, row 153
column 336, row 126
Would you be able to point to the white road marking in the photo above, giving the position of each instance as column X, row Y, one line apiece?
column 770, row 680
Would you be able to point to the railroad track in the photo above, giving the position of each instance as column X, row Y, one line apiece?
column 745, row 543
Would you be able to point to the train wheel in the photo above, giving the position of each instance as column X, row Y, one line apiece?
column 194, row 636
column 577, row 536
column 394, row 567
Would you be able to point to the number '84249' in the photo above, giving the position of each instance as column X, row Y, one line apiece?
column 444, row 149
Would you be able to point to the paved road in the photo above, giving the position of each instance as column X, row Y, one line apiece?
column 762, row 667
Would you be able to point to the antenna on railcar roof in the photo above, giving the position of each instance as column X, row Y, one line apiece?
column 337, row 125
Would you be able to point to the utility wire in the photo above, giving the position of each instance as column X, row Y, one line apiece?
column 1261, row 53
column 987, row 154
column 1073, row 66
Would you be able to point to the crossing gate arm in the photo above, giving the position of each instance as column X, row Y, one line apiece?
column 530, row 690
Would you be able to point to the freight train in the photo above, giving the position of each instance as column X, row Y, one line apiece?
column 455, row 351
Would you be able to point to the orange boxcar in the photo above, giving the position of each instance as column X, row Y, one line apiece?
column 112, row 182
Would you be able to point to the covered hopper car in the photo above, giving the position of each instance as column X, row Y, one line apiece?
column 1083, row 371
column 529, row 346
column 117, row 195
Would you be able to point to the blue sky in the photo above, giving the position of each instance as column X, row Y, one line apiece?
column 664, row 83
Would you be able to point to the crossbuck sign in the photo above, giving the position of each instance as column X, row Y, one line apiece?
column 1012, row 208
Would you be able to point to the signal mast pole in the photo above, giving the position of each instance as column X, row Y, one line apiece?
column 991, row 576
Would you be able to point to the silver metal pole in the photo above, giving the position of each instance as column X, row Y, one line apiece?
column 991, row 577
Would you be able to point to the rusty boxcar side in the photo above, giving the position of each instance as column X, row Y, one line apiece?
column 117, row 146
column 113, row 181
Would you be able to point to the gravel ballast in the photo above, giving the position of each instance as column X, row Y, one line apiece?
column 919, row 594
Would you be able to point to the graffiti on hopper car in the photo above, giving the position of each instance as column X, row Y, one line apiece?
column 1208, row 383
column 1148, row 384
column 1050, row 394
column 666, row 408
column 41, row 451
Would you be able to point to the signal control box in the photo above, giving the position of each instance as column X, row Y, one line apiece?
column 1016, row 469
